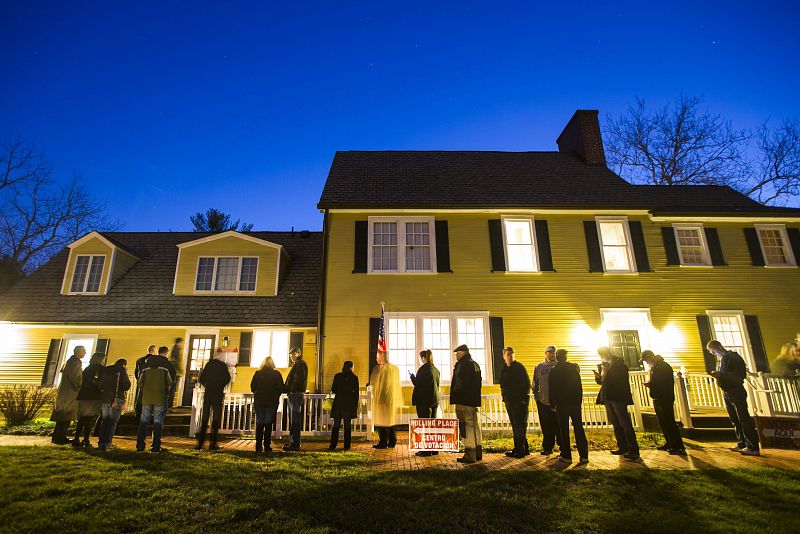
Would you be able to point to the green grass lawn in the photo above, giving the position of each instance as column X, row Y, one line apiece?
column 49, row 489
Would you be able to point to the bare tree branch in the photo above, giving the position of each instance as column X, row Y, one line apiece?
column 776, row 176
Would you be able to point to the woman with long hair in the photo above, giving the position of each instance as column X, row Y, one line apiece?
column 114, row 385
column 89, row 400
column 267, row 388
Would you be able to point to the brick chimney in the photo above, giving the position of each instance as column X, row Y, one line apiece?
column 581, row 136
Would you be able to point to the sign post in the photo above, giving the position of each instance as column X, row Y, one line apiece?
column 433, row 435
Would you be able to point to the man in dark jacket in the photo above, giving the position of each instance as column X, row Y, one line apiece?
column 516, row 389
column 426, row 390
column 213, row 377
column 662, row 390
column 137, row 372
column 541, row 392
column 465, row 395
column 615, row 393
column 296, row 384
column 345, row 404
column 730, row 376
column 566, row 397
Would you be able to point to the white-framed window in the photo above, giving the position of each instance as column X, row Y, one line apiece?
column 407, row 334
column 88, row 341
column 775, row 245
column 520, row 245
column 226, row 274
column 692, row 246
column 401, row 245
column 615, row 245
column 88, row 274
column 728, row 327
column 270, row 342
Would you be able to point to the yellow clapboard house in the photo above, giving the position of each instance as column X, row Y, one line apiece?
column 529, row 249
column 249, row 294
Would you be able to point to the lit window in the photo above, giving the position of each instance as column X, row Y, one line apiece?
column 87, row 341
column 728, row 329
column 436, row 338
column 401, row 245
column 88, row 274
column 471, row 331
column 615, row 245
column 520, row 252
column 775, row 245
column 226, row 275
column 691, row 245
column 273, row 343
column 402, row 346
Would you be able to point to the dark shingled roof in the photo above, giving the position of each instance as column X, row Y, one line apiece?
column 144, row 294
column 443, row 179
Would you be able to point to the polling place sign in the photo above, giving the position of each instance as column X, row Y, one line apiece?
column 779, row 432
column 433, row 435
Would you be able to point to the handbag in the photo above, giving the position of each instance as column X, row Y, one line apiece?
column 118, row 403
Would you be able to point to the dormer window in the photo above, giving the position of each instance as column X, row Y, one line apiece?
column 88, row 274
column 226, row 275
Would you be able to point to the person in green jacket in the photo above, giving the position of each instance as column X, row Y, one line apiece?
column 155, row 381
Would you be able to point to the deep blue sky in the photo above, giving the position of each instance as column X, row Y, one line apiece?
column 170, row 109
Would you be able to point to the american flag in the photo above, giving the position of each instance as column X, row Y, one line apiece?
column 382, row 333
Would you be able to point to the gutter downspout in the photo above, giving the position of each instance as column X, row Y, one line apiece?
column 322, row 300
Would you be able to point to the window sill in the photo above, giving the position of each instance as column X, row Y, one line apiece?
column 781, row 266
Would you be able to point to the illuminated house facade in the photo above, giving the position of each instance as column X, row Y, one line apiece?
column 529, row 249
column 249, row 294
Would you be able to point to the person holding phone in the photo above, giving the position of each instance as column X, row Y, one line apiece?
column 425, row 396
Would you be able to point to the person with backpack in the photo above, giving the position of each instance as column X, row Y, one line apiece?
column 88, row 401
column 114, row 384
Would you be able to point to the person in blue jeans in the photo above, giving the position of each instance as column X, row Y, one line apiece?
column 114, row 384
column 267, row 387
column 296, row 384
column 615, row 393
column 154, row 385
column 730, row 377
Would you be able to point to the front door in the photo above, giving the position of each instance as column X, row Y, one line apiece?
column 625, row 344
column 201, row 349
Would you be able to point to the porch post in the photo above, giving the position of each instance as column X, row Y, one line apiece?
column 682, row 398
column 279, row 417
column 197, row 404
column 637, row 410
column 370, row 421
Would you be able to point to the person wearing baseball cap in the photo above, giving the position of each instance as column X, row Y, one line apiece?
column 541, row 392
column 465, row 395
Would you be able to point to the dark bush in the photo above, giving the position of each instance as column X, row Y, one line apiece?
column 22, row 403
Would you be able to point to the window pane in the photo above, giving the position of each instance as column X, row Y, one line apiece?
column 205, row 273
column 280, row 348
column 262, row 347
column 520, row 258
column 227, row 270
column 728, row 331
column 436, row 337
column 418, row 246
column 402, row 339
column 613, row 233
column 95, row 274
column 616, row 258
column 384, row 246
column 691, row 246
column 471, row 332
column 772, row 241
column 81, row 269
column 247, row 281
column 519, row 245
column 518, row 232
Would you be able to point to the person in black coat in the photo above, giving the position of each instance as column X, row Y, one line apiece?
column 214, row 377
column 662, row 391
column 345, row 404
column 615, row 393
column 515, row 385
column 296, row 384
column 88, row 401
column 114, row 384
column 465, row 395
column 566, row 396
column 425, row 396
column 267, row 387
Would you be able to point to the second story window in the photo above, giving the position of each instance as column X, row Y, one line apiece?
column 226, row 275
column 520, row 245
column 88, row 274
column 691, row 244
column 775, row 245
column 401, row 245
column 615, row 244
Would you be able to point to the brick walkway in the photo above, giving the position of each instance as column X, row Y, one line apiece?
column 702, row 455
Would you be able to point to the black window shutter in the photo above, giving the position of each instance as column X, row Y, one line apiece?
column 639, row 248
column 102, row 346
column 714, row 247
column 543, row 245
column 670, row 245
column 50, row 365
column 496, row 244
column 593, row 247
column 794, row 241
column 757, row 343
column 754, row 247
column 246, row 348
column 374, row 328
column 361, row 244
column 704, row 327
column 496, row 332
column 295, row 340
column 442, row 247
